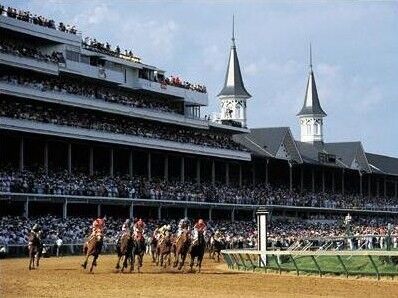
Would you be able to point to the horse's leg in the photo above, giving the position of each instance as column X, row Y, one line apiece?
column 119, row 257
column 94, row 262
column 183, row 256
column 84, row 265
column 37, row 259
column 132, row 262
column 192, row 261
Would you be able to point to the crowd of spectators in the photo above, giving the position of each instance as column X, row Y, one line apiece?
column 177, row 82
column 28, row 17
column 105, row 48
column 20, row 50
column 90, row 91
column 81, row 118
column 64, row 183
column 281, row 233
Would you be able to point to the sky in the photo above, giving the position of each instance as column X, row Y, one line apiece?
column 354, row 46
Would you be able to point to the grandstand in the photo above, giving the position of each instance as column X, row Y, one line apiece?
column 87, row 129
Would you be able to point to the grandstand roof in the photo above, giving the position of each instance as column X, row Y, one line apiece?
column 233, row 85
column 351, row 154
column 383, row 164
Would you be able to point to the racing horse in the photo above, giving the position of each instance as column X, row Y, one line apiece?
column 216, row 246
column 34, row 248
column 181, row 248
column 164, row 250
column 153, row 248
column 92, row 247
column 138, row 250
column 197, row 250
column 124, row 249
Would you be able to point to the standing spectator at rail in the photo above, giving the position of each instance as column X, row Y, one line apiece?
column 58, row 243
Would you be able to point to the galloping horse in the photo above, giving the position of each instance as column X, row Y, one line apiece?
column 181, row 248
column 34, row 248
column 197, row 250
column 163, row 250
column 154, row 245
column 124, row 249
column 216, row 246
column 92, row 247
column 138, row 250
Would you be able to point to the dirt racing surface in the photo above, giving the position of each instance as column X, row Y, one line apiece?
column 63, row 277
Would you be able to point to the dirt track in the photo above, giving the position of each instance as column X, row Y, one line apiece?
column 63, row 277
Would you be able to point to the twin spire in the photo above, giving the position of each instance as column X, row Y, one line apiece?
column 311, row 105
column 233, row 85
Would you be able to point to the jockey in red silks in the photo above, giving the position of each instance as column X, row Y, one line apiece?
column 98, row 227
column 200, row 226
column 139, row 229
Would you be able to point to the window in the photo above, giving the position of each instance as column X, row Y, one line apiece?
column 73, row 56
column 308, row 129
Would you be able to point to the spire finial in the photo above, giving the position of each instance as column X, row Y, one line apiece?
column 233, row 29
column 310, row 57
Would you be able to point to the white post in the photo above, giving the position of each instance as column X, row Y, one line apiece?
column 262, row 215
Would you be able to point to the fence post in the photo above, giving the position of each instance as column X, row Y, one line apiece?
column 262, row 215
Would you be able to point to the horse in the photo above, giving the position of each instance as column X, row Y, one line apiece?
column 34, row 248
column 197, row 250
column 138, row 250
column 124, row 249
column 163, row 250
column 216, row 247
column 154, row 244
column 92, row 247
column 181, row 248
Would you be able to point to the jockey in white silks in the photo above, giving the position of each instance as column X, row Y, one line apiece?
column 183, row 225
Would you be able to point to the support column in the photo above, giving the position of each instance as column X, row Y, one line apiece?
column 313, row 179
column 396, row 189
column 360, row 184
column 111, row 168
column 233, row 215
column 45, row 157
column 342, row 182
column 91, row 161
column 266, row 171
column 69, row 158
column 159, row 212
column 290, row 176
column 369, row 185
column 254, row 173
column 227, row 173
column 182, row 169
column 166, row 168
column 323, row 180
column 262, row 215
column 131, row 172
column 21, row 154
column 65, row 209
column 385, row 186
column 301, row 178
column 26, row 208
column 210, row 213
column 149, row 166
column 99, row 210
column 333, row 183
column 131, row 211
column 213, row 172
column 186, row 212
column 377, row 187
column 198, row 171
column 240, row 175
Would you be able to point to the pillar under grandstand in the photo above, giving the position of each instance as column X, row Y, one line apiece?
column 301, row 179
column 210, row 213
column 131, row 173
column 182, row 171
column 159, row 212
column 342, row 182
column 360, row 183
column 45, row 157
column 26, row 208
column 240, row 175
column 91, row 161
column 266, row 171
column 323, row 179
column 290, row 176
column 21, row 154
column 333, row 183
column 313, row 179
column 227, row 174
column 149, row 166
column 198, row 171
column 131, row 211
column 233, row 215
column 65, row 209
column 69, row 158
column 111, row 159
column 369, row 186
column 396, row 189
column 213, row 172
column 166, row 168
column 254, row 174
column 385, row 186
column 98, row 210
column 377, row 187
column 185, row 212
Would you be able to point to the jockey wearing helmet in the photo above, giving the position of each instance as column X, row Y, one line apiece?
column 139, row 229
column 98, row 227
column 36, row 231
column 164, row 231
column 200, row 226
column 126, row 226
column 183, row 225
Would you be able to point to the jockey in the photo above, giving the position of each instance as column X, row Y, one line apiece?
column 36, row 230
column 139, row 229
column 183, row 225
column 217, row 236
column 200, row 226
column 163, row 232
column 126, row 226
column 98, row 227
